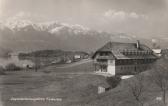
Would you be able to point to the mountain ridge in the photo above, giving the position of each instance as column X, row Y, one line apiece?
column 28, row 36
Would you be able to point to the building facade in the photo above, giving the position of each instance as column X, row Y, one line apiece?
column 164, row 53
column 158, row 52
column 118, row 58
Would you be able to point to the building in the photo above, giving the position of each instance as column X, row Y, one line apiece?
column 103, row 87
column 157, row 52
column 77, row 57
column 164, row 53
column 117, row 58
column 161, row 52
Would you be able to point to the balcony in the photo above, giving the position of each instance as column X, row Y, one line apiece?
column 103, row 57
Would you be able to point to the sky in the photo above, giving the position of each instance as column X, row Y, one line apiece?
column 147, row 18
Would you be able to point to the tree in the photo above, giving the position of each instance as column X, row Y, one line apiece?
column 4, row 52
column 136, row 88
column 113, row 81
column 35, row 62
column 2, row 70
column 160, row 77
column 12, row 67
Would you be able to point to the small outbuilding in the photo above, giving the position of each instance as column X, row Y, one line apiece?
column 157, row 52
column 103, row 87
column 77, row 56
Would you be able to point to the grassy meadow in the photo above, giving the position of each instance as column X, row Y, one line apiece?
column 72, row 86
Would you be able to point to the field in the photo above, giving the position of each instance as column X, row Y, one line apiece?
column 71, row 85
column 68, row 84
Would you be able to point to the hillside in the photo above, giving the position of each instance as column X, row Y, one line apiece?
column 49, row 57
column 74, row 85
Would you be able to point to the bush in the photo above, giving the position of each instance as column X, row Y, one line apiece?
column 2, row 70
column 12, row 67
column 113, row 81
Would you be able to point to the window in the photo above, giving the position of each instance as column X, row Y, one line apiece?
column 104, row 68
column 102, row 60
column 104, row 53
column 118, row 62
column 101, row 54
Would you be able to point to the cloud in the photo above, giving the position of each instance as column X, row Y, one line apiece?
column 154, row 40
column 22, row 15
column 122, row 15
column 19, row 16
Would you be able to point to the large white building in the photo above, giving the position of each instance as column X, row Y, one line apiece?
column 118, row 58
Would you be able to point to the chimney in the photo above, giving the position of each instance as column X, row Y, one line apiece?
column 138, row 44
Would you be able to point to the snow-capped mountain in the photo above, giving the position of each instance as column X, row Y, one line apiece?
column 26, row 35
column 18, row 24
column 51, row 27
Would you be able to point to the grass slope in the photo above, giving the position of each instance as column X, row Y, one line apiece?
column 76, row 86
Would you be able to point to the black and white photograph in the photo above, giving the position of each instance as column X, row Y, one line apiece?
column 83, row 52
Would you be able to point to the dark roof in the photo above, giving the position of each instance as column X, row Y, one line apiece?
column 117, row 49
column 122, row 46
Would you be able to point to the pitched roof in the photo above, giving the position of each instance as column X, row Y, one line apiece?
column 117, row 49
column 122, row 46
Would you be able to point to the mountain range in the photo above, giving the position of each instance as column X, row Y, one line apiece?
column 24, row 35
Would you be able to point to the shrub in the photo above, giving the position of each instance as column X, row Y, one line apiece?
column 2, row 70
column 12, row 67
column 113, row 81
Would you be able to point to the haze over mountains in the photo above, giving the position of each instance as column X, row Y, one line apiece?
column 24, row 35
